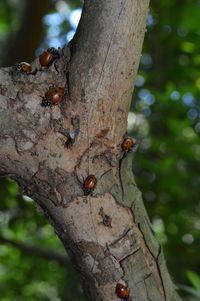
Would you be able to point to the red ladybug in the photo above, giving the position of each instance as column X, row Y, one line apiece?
column 24, row 67
column 53, row 97
column 48, row 56
column 128, row 144
column 122, row 291
column 89, row 184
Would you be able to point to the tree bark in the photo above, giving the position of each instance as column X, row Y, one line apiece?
column 107, row 234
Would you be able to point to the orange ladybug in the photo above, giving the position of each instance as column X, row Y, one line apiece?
column 128, row 144
column 53, row 97
column 89, row 184
column 48, row 56
column 24, row 67
column 122, row 291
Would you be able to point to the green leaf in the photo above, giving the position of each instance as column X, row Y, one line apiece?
column 194, row 279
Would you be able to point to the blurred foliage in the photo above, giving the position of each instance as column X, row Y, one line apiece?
column 23, row 276
column 166, row 106
column 10, row 15
column 165, row 116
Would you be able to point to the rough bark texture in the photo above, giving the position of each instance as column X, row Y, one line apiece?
column 107, row 234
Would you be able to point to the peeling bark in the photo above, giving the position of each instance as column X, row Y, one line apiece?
column 107, row 233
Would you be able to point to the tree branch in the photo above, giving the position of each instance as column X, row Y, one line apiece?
column 106, row 49
column 105, row 54
column 35, row 250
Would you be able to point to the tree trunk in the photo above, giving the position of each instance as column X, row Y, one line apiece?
column 107, row 233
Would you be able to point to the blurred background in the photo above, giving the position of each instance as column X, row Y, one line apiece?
column 165, row 117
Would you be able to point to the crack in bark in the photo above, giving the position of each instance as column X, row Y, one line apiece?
column 156, row 262
column 120, row 178
column 109, row 46
column 146, row 289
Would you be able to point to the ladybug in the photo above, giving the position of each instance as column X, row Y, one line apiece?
column 128, row 144
column 122, row 291
column 48, row 56
column 89, row 184
column 24, row 67
column 53, row 97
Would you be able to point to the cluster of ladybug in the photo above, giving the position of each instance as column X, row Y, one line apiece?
column 45, row 59
column 54, row 95
column 90, row 182
column 89, row 186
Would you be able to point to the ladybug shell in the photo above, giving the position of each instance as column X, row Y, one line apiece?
column 122, row 291
column 46, row 58
column 55, row 95
column 128, row 144
column 24, row 67
column 89, row 184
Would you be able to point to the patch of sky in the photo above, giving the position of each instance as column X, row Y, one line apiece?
column 54, row 42
column 146, row 97
column 175, row 95
column 188, row 99
column 70, row 35
column 54, row 19
column 146, row 112
column 139, row 82
column 39, row 51
column 74, row 17
column 192, row 114
column 150, row 21
column 146, row 60
column 53, row 31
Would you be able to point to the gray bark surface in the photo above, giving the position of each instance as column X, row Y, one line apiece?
column 107, row 234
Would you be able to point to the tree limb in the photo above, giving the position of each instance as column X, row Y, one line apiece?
column 36, row 250
column 98, row 80
column 106, row 49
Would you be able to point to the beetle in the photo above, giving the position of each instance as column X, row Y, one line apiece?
column 89, row 184
column 24, row 67
column 53, row 97
column 122, row 291
column 128, row 145
column 48, row 56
